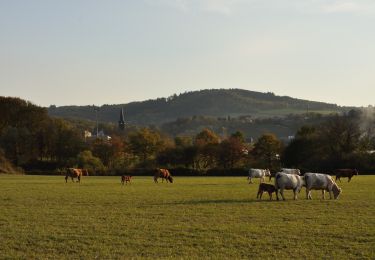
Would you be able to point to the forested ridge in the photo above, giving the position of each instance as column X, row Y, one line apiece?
column 214, row 102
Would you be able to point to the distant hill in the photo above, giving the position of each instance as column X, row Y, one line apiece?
column 214, row 102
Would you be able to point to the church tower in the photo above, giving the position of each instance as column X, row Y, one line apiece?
column 121, row 122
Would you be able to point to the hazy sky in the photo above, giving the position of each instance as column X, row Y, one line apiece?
column 117, row 51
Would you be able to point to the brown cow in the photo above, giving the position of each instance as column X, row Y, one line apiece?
column 163, row 174
column 75, row 173
column 347, row 173
column 125, row 179
column 264, row 187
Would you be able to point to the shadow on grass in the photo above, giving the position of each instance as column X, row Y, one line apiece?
column 213, row 184
column 219, row 201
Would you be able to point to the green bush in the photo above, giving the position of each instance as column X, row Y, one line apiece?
column 93, row 164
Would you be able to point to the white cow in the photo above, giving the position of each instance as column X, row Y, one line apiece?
column 291, row 171
column 288, row 182
column 286, row 170
column 258, row 173
column 319, row 181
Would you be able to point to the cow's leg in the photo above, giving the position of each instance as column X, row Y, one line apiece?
column 323, row 194
column 295, row 194
column 307, row 193
column 79, row 179
column 66, row 179
column 349, row 178
column 277, row 194
column 270, row 194
column 330, row 194
column 282, row 193
column 250, row 181
column 270, row 178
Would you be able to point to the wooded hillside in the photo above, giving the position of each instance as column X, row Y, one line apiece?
column 215, row 102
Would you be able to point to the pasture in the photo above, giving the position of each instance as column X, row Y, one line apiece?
column 195, row 217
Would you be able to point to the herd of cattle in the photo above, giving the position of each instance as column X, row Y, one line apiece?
column 286, row 179
column 291, row 179
column 73, row 173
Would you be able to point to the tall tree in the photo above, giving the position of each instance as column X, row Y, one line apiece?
column 232, row 150
column 206, row 143
column 267, row 151
column 145, row 143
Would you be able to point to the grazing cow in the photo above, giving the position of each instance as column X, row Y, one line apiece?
column 348, row 173
column 75, row 173
column 258, row 173
column 286, row 170
column 264, row 187
column 288, row 182
column 319, row 181
column 125, row 179
column 291, row 171
column 163, row 174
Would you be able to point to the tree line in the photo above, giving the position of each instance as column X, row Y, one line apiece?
column 32, row 140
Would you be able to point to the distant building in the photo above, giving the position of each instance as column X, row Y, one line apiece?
column 87, row 135
column 101, row 135
column 121, row 122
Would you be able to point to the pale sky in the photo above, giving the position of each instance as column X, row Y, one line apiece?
column 83, row 52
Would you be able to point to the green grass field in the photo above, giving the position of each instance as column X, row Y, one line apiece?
column 195, row 217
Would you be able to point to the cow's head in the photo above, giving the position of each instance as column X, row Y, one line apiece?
column 336, row 191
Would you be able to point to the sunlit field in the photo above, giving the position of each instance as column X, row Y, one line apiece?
column 195, row 217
